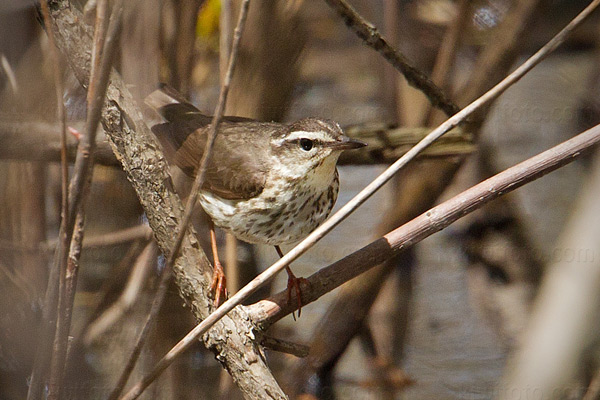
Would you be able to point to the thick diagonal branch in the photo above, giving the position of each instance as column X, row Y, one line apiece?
column 147, row 171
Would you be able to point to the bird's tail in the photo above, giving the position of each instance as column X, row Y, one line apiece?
column 172, row 106
column 180, row 119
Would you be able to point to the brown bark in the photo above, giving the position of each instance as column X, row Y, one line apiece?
column 146, row 169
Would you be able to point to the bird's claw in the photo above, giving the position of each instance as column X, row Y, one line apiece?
column 294, row 284
column 218, row 286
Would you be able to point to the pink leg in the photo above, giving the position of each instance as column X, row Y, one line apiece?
column 293, row 284
column 218, row 285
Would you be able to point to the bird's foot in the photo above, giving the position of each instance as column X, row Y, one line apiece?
column 218, row 286
column 294, row 284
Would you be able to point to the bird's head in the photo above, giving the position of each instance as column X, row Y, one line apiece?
column 312, row 146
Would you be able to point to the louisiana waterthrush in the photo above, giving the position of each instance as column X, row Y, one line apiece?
column 266, row 182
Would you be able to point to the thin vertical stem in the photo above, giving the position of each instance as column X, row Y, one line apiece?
column 45, row 337
column 102, row 56
column 201, row 173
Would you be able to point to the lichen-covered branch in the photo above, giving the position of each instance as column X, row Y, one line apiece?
column 146, row 169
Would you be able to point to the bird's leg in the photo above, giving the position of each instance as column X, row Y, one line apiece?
column 218, row 285
column 293, row 283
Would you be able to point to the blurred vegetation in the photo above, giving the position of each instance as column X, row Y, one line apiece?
column 439, row 322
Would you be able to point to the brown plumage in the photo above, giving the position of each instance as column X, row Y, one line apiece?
column 265, row 182
column 234, row 171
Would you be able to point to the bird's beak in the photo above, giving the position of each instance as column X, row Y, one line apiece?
column 347, row 144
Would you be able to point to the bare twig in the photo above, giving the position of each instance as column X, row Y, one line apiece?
column 368, row 32
column 104, row 45
column 59, row 86
column 361, row 197
column 56, row 275
column 102, row 56
column 285, row 346
column 201, row 172
column 143, row 162
column 267, row 312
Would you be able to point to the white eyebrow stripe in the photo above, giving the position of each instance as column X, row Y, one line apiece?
column 318, row 135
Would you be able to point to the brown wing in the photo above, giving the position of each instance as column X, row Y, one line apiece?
column 238, row 165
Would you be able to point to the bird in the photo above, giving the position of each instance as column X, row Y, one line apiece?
column 266, row 182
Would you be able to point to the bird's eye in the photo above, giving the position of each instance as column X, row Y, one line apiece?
column 306, row 144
